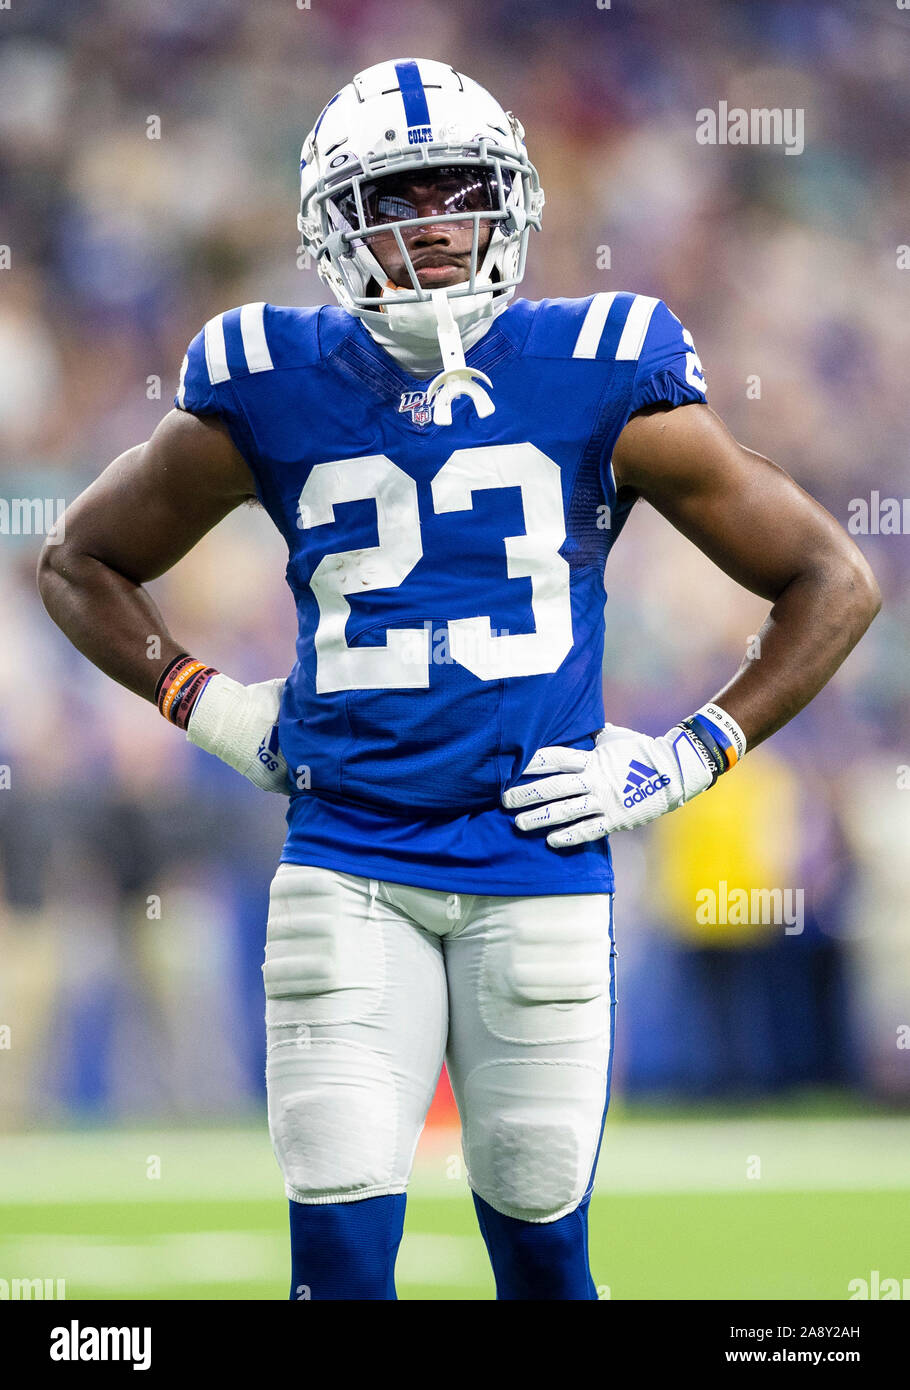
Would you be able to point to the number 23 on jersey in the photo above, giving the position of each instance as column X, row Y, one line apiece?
column 472, row 642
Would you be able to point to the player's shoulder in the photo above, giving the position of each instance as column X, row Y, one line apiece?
column 611, row 325
column 252, row 338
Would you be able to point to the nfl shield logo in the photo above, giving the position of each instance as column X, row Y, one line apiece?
column 415, row 403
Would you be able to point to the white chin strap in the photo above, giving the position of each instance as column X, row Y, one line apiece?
column 408, row 329
column 456, row 377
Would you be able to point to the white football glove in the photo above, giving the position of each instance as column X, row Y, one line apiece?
column 626, row 780
column 239, row 724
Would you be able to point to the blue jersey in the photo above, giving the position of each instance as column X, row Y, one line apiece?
column 449, row 580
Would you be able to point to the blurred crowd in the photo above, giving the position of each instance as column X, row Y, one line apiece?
column 148, row 163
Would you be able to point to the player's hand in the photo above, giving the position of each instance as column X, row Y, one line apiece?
column 626, row 780
column 239, row 724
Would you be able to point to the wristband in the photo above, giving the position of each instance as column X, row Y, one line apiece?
column 179, row 687
column 702, row 736
column 719, row 734
column 164, row 678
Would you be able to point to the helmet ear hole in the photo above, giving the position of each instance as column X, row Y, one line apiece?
column 334, row 244
column 516, row 221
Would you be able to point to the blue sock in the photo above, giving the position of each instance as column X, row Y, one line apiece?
column 538, row 1261
column 346, row 1250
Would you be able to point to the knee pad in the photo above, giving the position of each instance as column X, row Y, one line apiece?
column 333, row 1112
column 531, row 1131
column 543, row 984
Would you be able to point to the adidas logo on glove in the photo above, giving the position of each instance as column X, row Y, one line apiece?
column 586, row 796
column 641, row 782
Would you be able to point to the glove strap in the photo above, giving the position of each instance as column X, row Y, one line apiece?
column 719, row 735
column 179, row 686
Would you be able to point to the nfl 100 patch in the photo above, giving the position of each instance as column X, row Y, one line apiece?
column 414, row 403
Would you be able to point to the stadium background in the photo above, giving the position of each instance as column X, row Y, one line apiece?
column 134, row 1156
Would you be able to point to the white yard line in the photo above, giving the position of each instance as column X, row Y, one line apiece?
column 192, row 1257
column 187, row 1258
column 785, row 1155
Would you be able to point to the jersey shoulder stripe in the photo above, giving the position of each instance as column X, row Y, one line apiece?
column 635, row 328
column 243, row 342
column 252, row 333
column 605, row 327
column 236, row 344
column 216, row 350
column 615, row 326
column 591, row 331
column 231, row 345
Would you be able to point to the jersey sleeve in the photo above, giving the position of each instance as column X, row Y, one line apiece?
column 216, row 360
column 668, row 365
column 196, row 392
column 245, row 369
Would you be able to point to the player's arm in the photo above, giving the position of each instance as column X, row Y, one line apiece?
column 762, row 530
column 132, row 524
column 142, row 515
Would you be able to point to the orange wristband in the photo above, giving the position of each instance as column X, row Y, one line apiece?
column 179, row 687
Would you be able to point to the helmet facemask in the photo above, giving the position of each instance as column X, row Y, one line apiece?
column 487, row 185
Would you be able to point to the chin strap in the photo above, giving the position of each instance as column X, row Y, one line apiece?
column 456, row 377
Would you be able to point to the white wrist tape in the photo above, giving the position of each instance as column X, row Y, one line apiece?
column 237, row 724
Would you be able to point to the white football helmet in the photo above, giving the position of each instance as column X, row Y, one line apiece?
column 416, row 114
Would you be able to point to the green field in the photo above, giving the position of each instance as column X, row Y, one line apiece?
column 745, row 1208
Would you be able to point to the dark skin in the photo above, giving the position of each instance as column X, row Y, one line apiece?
column 440, row 253
column 759, row 527
column 157, row 500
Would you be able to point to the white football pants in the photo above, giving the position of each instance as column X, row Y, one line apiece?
column 369, row 985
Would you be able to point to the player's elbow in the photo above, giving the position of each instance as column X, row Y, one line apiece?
column 851, row 583
column 55, row 564
column 48, row 566
column 862, row 587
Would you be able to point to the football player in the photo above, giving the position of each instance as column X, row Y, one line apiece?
column 450, row 467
